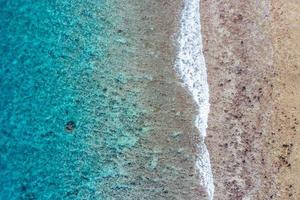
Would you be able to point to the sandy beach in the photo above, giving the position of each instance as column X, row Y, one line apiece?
column 252, row 55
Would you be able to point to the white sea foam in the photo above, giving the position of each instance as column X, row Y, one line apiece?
column 190, row 65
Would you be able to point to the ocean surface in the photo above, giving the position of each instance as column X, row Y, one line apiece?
column 72, row 125
column 64, row 115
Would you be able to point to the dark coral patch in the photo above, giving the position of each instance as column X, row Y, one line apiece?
column 70, row 126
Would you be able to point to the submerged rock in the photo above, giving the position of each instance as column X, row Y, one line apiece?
column 70, row 126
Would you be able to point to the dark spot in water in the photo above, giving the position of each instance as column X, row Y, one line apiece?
column 73, row 193
column 70, row 126
column 23, row 188
column 48, row 134
column 133, row 183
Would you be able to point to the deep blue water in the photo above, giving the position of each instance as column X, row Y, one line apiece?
column 55, row 68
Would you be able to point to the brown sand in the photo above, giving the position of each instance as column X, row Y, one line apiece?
column 285, row 31
column 252, row 54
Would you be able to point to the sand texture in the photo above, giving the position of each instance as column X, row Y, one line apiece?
column 252, row 55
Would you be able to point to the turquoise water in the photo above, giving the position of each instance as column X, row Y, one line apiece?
column 56, row 69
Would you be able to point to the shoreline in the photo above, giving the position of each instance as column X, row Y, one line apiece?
column 190, row 66
column 252, row 60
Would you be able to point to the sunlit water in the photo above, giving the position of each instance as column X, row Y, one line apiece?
column 64, row 114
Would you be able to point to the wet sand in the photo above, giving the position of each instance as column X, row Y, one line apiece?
column 252, row 55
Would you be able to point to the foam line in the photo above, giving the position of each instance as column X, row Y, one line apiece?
column 190, row 65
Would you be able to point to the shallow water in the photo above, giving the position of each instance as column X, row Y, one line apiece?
column 56, row 67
